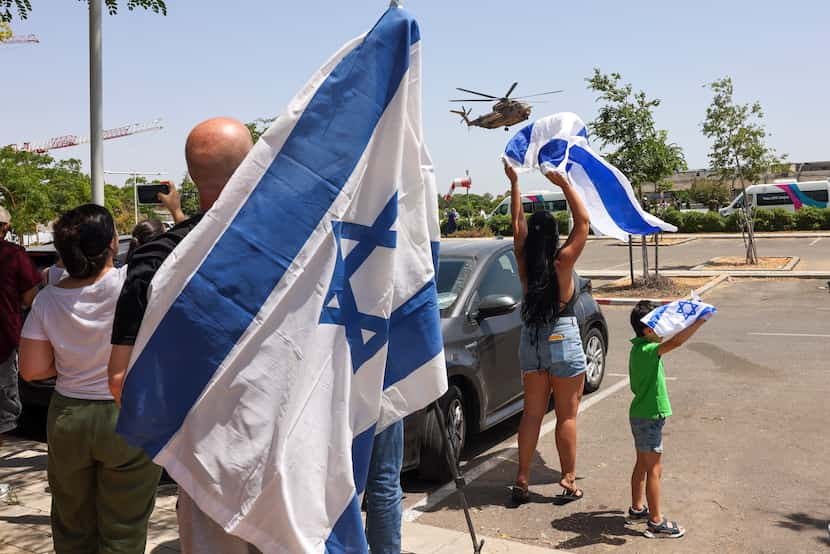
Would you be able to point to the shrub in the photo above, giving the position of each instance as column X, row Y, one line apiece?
column 731, row 223
column 562, row 221
column 675, row 217
column 501, row 225
column 712, row 222
column 782, row 220
column 826, row 223
column 808, row 219
column 692, row 222
column 763, row 220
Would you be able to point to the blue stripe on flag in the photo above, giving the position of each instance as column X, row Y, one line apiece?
column 518, row 145
column 611, row 192
column 222, row 298
column 347, row 534
column 414, row 335
column 553, row 152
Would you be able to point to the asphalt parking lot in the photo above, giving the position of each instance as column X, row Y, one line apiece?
column 747, row 450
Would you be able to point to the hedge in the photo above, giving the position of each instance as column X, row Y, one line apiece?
column 778, row 219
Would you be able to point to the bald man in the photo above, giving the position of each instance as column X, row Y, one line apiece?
column 213, row 151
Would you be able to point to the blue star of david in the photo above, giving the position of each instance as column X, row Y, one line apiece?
column 345, row 312
column 686, row 309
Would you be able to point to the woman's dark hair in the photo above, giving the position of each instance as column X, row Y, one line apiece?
column 541, row 304
column 83, row 239
column 144, row 232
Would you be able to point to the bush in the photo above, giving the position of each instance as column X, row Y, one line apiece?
column 501, row 225
column 731, row 223
column 712, row 222
column 826, row 222
column 562, row 221
column 692, row 222
column 782, row 220
column 809, row 219
column 762, row 220
column 672, row 216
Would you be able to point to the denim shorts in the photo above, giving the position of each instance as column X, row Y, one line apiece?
column 10, row 407
column 555, row 348
column 648, row 434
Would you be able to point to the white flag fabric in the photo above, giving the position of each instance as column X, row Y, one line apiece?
column 300, row 317
column 669, row 319
column 559, row 143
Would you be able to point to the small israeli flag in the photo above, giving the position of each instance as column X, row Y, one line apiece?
column 669, row 319
column 300, row 317
column 559, row 143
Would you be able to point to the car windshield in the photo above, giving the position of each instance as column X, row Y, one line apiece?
column 452, row 274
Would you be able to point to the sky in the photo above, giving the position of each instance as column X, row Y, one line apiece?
column 247, row 59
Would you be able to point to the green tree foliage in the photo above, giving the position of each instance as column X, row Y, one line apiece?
column 626, row 129
column 738, row 152
column 258, row 126
column 5, row 31
column 24, row 7
column 189, row 196
column 705, row 190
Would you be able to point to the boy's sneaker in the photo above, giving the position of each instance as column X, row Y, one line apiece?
column 635, row 516
column 664, row 530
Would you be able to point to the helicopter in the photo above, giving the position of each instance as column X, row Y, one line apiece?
column 506, row 111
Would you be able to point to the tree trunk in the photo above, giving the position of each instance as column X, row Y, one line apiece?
column 646, row 277
column 631, row 258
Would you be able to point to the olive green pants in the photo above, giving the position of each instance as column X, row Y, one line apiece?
column 103, row 490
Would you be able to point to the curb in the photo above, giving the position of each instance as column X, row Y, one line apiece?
column 714, row 282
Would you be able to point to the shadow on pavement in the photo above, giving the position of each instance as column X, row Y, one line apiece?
column 598, row 527
column 166, row 547
column 799, row 521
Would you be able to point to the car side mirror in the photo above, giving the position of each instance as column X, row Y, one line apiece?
column 493, row 305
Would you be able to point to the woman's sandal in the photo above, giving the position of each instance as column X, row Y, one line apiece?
column 664, row 530
column 519, row 494
column 569, row 495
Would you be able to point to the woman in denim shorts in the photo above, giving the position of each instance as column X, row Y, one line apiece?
column 550, row 352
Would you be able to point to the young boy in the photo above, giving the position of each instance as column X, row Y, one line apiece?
column 649, row 410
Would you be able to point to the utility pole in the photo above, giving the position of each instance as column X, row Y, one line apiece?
column 96, row 125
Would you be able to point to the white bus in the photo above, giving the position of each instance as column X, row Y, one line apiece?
column 550, row 200
column 790, row 196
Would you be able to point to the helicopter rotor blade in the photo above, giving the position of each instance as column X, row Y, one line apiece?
column 511, row 90
column 472, row 100
column 478, row 93
column 539, row 94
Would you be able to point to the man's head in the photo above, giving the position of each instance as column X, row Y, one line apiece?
column 641, row 310
column 213, row 151
column 5, row 222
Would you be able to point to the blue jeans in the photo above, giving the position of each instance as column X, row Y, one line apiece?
column 383, row 492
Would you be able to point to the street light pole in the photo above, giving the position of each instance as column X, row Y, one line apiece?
column 96, row 131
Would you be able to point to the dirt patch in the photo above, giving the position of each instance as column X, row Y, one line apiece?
column 676, row 287
column 739, row 262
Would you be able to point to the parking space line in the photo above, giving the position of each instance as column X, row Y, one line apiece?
column 439, row 495
column 807, row 335
column 816, row 241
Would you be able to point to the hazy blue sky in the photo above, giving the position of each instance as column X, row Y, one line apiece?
column 246, row 59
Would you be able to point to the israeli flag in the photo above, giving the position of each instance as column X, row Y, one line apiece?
column 559, row 143
column 669, row 319
column 300, row 317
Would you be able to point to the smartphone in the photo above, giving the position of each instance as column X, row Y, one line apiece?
column 148, row 194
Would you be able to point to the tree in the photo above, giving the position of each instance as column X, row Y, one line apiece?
column 189, row 196
column 738, row 151
column 625, row 125
column 259, row 126
column 24, row 7
column 5, row 31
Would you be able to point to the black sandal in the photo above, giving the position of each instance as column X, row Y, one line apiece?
column 569, row 495
column 519, row 494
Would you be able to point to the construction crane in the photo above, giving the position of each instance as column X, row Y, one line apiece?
column 20, row 39
column 74, row 140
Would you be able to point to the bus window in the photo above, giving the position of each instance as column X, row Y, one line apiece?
column 773, row 199
column 528, row 207
column 817, row 195
column 556, row 205
column 502, row 210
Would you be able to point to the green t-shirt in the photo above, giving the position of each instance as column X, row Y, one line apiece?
column 648, row 381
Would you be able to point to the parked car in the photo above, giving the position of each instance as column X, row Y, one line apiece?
column 480, row 297
column 38, row 393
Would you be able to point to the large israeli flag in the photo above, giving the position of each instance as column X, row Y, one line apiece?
column 559, row 143
column 300, row 317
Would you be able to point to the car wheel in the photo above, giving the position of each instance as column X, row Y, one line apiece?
column 434, row 465
column 595, row 358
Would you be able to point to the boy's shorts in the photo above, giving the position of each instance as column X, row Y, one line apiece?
column 648, row 434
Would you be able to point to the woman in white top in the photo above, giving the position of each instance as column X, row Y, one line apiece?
column 103, row 490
